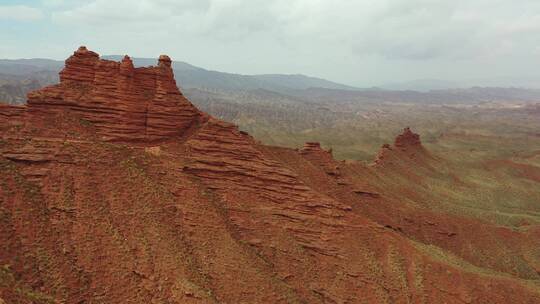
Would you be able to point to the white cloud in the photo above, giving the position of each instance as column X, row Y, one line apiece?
column 323, row 37
column 20, row 13
column 408, row 29
column 126, row 12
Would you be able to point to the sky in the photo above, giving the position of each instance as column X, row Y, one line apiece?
column 358, row 42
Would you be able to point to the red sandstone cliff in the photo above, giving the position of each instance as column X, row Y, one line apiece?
column 122, row 102
column 188, row 209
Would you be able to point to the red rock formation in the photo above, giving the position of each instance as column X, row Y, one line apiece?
column 407, row 145
column 407, row 139
column 208, row 215
column 11, row 115
column 311, row 147
column 123, row 103
column 313, row 152
column 382, row 155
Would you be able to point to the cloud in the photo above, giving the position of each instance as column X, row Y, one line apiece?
column 20, row 13
column 104, row 13
column 323, row 37
column 406, row 29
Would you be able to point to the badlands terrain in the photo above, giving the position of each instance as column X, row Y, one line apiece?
column 115, row 188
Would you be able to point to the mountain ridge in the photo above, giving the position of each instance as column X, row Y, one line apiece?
column 192, row 76
column 134, row 195
column 15, row 74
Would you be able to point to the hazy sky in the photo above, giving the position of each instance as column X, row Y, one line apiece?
column 358, row 42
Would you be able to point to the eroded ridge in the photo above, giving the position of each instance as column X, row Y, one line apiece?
column 187, row 208
column 228, row 161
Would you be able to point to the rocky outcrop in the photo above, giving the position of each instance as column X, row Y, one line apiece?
column 385, row 150
column 407, row 145
column 124, row 103
column 313, row 152
column 313, row 147
column 407, row 139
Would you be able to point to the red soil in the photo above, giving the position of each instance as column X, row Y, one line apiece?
column 185, row 208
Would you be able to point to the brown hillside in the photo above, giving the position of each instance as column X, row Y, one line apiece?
column 115, row 189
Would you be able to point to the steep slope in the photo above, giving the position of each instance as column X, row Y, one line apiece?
column 115, row 189
column 385, row 192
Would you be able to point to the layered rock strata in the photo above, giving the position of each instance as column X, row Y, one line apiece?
column 189, row 209
column 124, row 103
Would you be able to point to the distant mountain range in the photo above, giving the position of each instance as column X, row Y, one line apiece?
column 22, row 67
column 189, row 76
column 15, row 75
column 425, row 85
column 18, row 77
